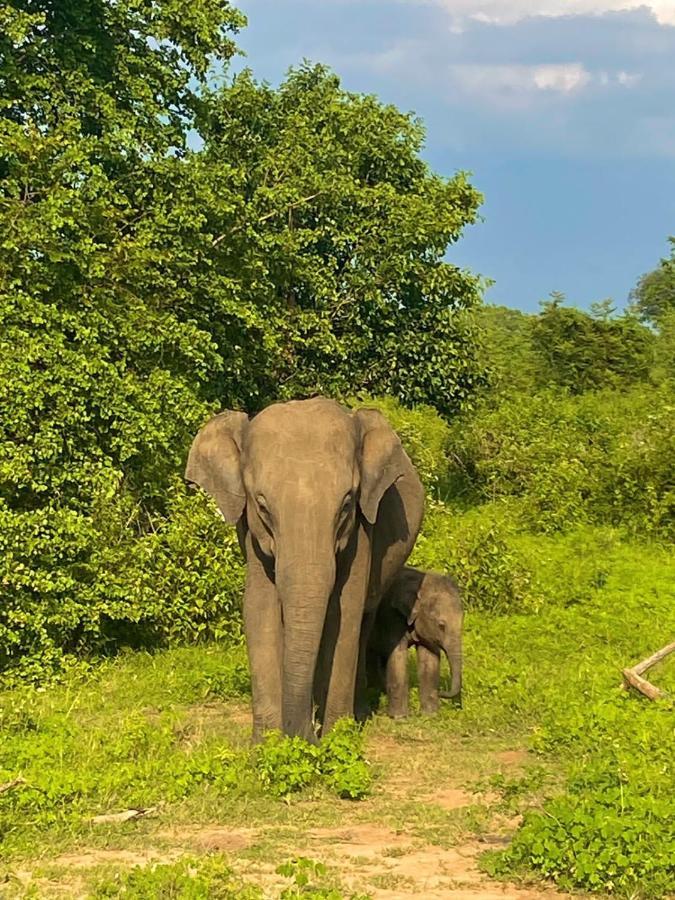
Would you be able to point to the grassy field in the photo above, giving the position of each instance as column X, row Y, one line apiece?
column 543, row 710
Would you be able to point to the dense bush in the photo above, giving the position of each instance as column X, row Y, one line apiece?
column 603, row 456
column 582, row 352
column 479, row 553
column 115, row 584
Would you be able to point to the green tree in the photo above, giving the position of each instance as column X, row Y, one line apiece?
column 506, row 348
column 581, row 352
column 101, row 365
column 143, row 285
column 654, row 295
column 342, row 240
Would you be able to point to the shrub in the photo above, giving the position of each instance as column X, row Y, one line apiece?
column 343, row 766
column 602, row 457
column 286, row 765
column 182, row 580
column 478, row 552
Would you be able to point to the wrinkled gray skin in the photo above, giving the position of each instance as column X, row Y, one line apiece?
column 424, row 610
column 328, row 507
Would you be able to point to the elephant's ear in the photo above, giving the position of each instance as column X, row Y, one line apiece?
column 406, row 593
column 383, row 460
column 213, row 462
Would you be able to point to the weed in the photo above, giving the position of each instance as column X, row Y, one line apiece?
column 205, row 878
column 309, row 880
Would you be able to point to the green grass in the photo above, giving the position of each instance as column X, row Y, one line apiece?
column 171, row 730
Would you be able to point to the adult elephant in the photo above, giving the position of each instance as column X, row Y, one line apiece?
column 328, row 507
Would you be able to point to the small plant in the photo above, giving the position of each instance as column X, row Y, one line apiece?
column 208, row 878
column 342, row 763
column 286, row 765
column 307, row 875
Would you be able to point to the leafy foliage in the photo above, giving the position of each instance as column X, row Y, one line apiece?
column 603, row 457
column 612, row 830
column 343, row 232
column 654, row 295
column 144, row 285
column 583, row 352
column 286, row 765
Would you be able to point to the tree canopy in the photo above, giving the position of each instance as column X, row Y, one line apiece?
column 654, row 295
column 144, row 284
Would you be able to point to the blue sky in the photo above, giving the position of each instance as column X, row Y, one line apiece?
column 564, row 110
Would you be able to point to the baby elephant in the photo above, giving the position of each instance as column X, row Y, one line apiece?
column 424, row 610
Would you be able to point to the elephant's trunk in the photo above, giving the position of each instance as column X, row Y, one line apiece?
column 304, row 587
column 453, row 652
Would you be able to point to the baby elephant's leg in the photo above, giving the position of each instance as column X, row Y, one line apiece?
column 397, row 680
column 429, row 676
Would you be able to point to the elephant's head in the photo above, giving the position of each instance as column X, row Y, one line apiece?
column 432, row 605
column 300, row 474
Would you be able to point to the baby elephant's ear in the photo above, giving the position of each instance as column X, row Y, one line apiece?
column 213, row 463
column 406, row 593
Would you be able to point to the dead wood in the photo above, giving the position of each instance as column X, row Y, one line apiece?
column 124, row 816
column 653, row 659
column 10, row 785
column 632, row 676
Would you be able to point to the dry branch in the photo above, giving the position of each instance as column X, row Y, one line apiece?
column 123, row 816
column 9, row 785
column 653, row 659
column 632, row 677
column 641, row 684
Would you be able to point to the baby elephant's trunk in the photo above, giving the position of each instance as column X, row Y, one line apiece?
column 453, row 651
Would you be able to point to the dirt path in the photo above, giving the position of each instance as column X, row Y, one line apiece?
column 419, row 835
column 385, row 863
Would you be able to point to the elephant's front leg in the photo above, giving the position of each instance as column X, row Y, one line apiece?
column 428, row 674
column 264, row 642
column 397, row 680
column 350, row 594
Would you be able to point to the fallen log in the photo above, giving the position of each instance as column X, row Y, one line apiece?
column 632, row 679
column 124, row 816
column 632, row 676
column 653, row 659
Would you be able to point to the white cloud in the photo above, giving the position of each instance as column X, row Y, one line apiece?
column 517, row 85
column 628, row 79
column 505, row 12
